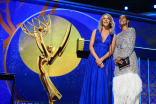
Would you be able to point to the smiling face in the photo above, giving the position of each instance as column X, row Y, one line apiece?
column 123, row 20
column 106, row 20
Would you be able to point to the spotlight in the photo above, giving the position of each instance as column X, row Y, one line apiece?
column 155, row 6
column 126, row 7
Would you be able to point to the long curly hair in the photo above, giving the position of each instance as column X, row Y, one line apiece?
column 111, row 21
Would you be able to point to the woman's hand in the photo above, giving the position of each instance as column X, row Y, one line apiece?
column 102, row 66
column 118, row 60
column 99, row 61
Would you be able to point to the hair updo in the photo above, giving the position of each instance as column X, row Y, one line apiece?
column 127, row 19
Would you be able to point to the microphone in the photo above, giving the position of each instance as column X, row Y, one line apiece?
column 110, row 25
column 109, row 72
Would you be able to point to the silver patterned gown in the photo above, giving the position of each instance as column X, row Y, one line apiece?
column 127, row 84
column 125, row 48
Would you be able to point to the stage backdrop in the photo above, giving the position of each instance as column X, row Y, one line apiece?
column 19, row 51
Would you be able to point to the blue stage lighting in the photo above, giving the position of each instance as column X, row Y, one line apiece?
column 126, row 7
column 155, row 6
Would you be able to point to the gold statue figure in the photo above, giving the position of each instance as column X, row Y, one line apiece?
column 49, row 54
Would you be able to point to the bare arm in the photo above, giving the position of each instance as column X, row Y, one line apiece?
column 91, row 48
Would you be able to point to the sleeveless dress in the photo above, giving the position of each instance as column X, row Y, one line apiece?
column 95, row 85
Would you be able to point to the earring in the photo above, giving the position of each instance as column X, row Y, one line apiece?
column 119, row 26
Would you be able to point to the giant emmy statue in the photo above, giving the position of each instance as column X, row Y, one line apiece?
column 48, row 53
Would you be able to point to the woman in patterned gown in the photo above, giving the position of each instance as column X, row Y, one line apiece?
column 127, row 85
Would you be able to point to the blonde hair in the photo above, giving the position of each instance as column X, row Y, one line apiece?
column 111, row 21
